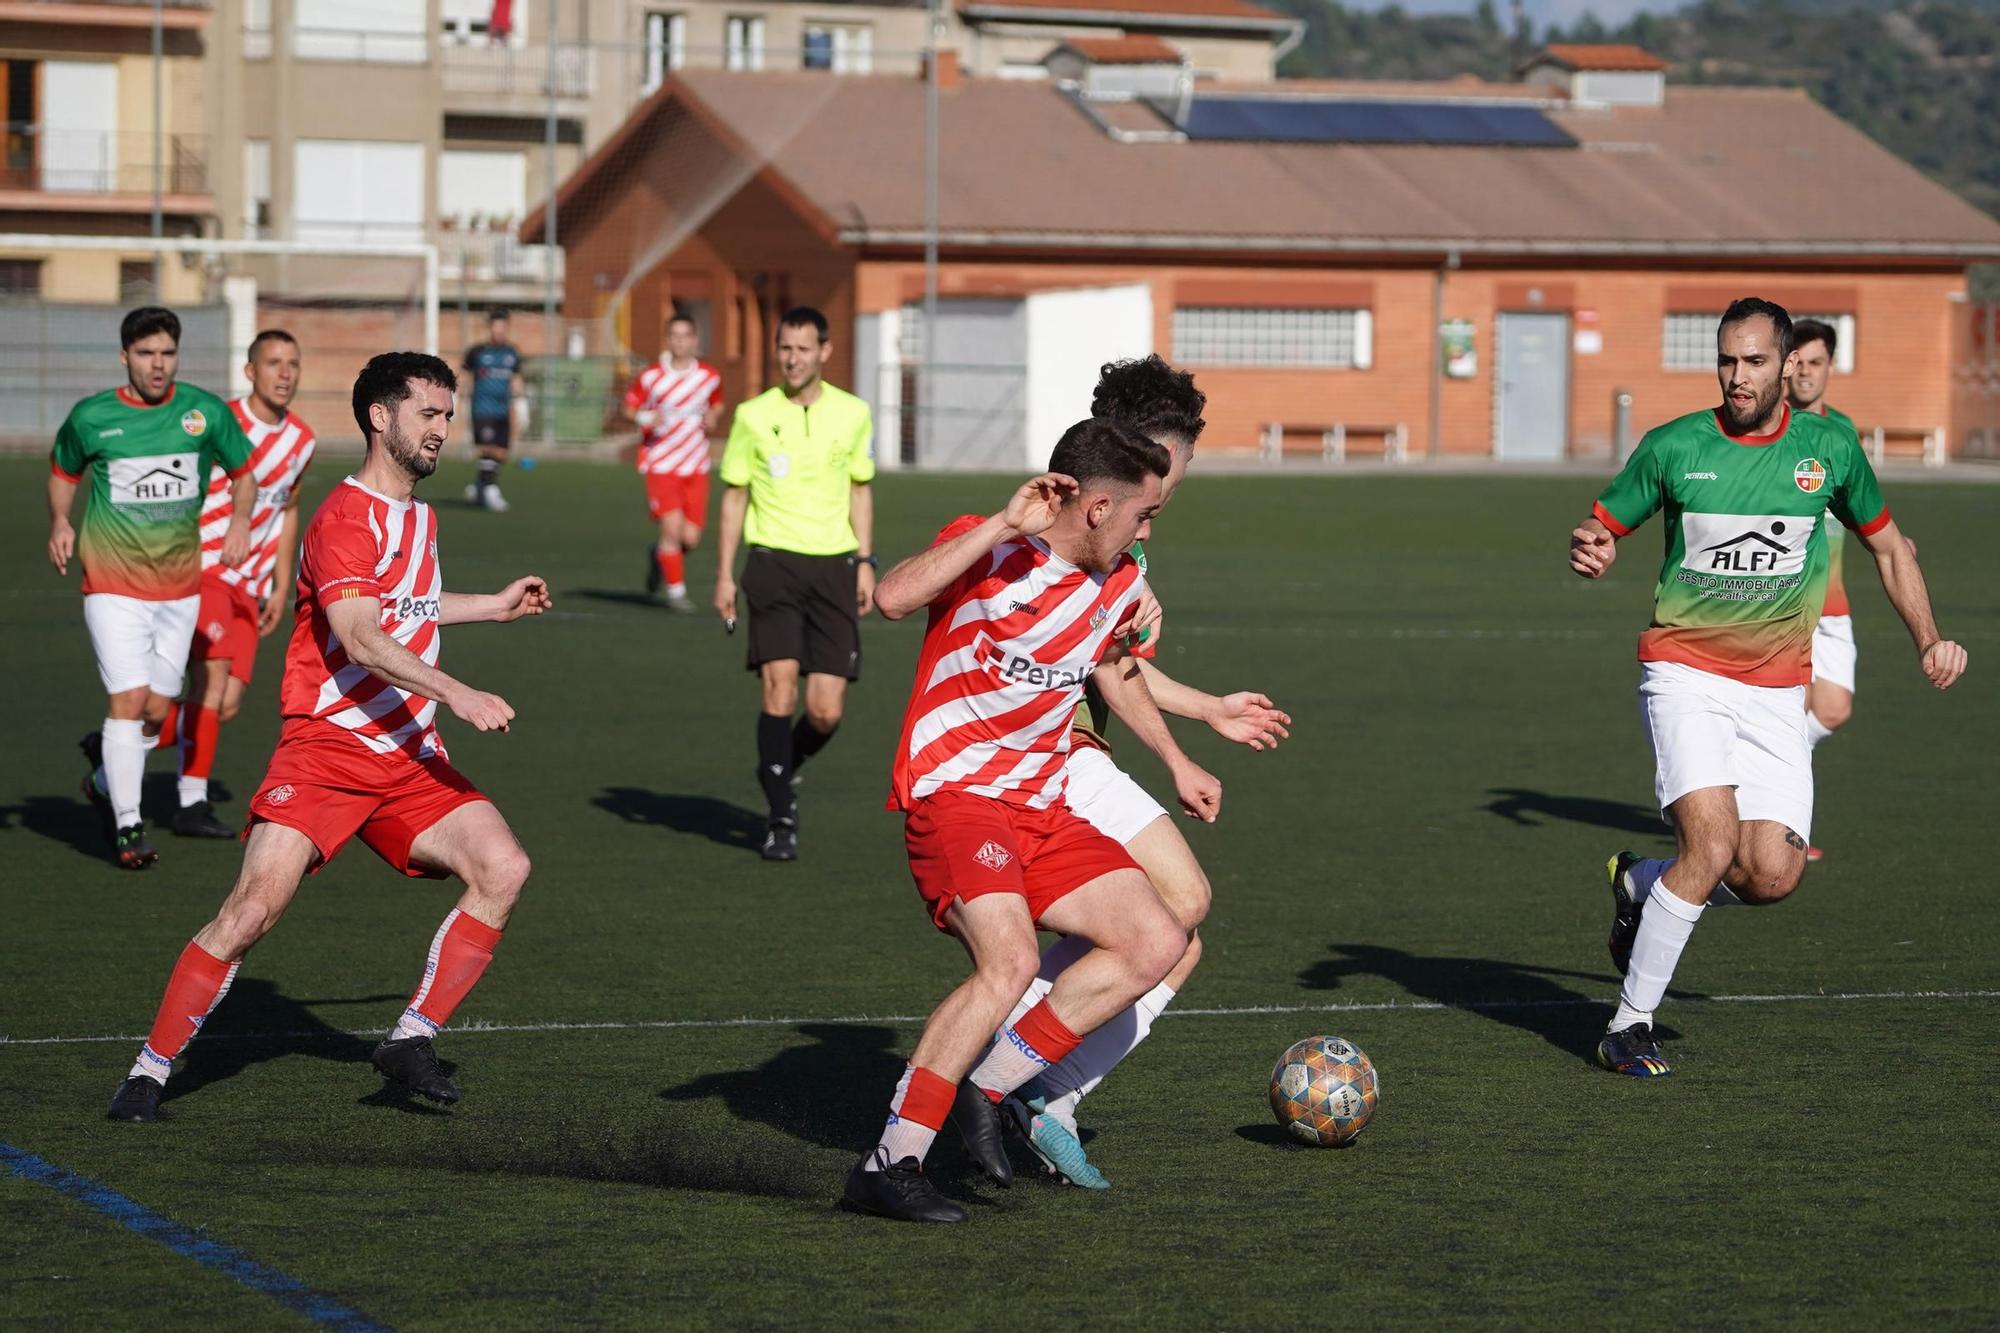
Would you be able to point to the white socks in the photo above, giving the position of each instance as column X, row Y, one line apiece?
column 125, row 746
column 1077, row 1074
column 1664, row 930
column 1645, row 876
column 193, row 791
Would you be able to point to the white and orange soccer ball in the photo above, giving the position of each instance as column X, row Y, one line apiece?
column 1324, row 1091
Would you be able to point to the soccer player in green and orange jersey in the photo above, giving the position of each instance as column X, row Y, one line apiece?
column 148, row 448
column 1830, row 696
column 1744, row 489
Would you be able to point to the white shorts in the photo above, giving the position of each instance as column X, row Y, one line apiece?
column 140, row 642
column 1108, row 801
column 1833, row 651
column 1711, row 731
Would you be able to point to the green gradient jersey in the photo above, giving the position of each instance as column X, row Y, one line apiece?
column 1093, row 715
column 1746, row 548
column 148, row 468
column 1836, row 542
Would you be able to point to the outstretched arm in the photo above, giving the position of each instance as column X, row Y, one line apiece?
column 357, row 622
column 924, row 577
column 1896, row 561
column 527, row 596
column 1247, row 717
column 1124, row 689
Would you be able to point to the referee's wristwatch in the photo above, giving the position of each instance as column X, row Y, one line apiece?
column 867, row 560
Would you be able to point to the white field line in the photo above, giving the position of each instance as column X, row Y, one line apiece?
column 1246, row 1011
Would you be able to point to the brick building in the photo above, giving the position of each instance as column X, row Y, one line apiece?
column 1464, row 268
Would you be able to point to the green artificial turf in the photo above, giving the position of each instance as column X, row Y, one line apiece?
column 1419, row 870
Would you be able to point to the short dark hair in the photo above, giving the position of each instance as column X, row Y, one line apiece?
column 806, row 317
column 682, row 317
column 1815, row 331
column 146, row 321
column 1749, row 307
column 270, row 336
column 497, row 312
column 1151, row 397
column 1096, row 449
column 386, row 380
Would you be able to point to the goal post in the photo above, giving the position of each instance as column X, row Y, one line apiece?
column 344, row 300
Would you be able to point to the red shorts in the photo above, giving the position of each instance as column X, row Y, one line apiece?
column 964, row 846
column 226, row 627
column 687, row 496
column 329, row 786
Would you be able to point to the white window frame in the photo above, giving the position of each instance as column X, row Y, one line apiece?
column 461, row 163
column 1684, row 333
column 850, row 46
column 1274, row 337
column 743, row 45
column 340, row 170
column 666, row 46
column 256, row 29
column 360, row 32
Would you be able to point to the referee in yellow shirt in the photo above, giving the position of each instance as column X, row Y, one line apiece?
column 796, row 473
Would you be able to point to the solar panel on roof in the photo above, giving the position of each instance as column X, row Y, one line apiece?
column 1300, row 120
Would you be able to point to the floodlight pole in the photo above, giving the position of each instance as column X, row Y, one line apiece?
column 926, row 379
column 549, row 240
column 159, row 100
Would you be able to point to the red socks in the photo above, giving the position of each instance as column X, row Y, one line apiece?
column 1037, row 1040
column 203, row 727
column 673, row 568
column 169, row 724
column 916, row 1113
column 198, row 983
column 460, row 951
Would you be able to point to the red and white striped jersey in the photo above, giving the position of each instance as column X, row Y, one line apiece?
column 676, row 444
column 1004, row 662
column 363, row 544
column 278, row 458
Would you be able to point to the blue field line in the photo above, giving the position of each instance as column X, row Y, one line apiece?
column 185, row 1241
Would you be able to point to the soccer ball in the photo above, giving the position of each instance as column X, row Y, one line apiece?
column 1324, row 1091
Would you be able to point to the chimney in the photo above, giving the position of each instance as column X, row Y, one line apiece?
column 949, row 73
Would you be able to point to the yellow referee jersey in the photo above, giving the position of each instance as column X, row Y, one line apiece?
column 800, row 464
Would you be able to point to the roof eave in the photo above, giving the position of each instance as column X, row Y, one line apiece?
column 1121, row 17
column 1441, row 246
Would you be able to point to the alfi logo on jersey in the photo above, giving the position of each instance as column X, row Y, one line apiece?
column 1809, row 475
column 163, row 479
column 193, row 422
column 1746, row 546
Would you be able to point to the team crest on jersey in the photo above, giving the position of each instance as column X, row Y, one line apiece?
column 193, row 422
column 1809, row 475
column 992, row 855
column 279, row 795
column 1099, row 616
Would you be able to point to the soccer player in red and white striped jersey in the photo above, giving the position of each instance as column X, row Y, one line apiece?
column 676, row 402
column 359, row 754
column 246, row 601
column 1024, row 607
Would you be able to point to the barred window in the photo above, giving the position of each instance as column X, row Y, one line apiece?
column 1260, row 336
column 1687, row 341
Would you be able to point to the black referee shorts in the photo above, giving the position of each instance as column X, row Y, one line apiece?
column 801, row 608
column 493, row 432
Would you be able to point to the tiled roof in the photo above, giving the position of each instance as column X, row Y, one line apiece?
column 1242, row 10
column 1024, row 167
column 1600, row 57
column 1131, row 50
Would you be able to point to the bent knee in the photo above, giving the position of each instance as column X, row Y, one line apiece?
column 1009, row 972
column 823, row 717
column 502, row 873
column 1187, row 895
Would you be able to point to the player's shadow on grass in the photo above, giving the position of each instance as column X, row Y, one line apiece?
column 621, row 597
column 717, row 820
column 256, row 1023
column 1518, row 995
column 66, row 819
column 831, row 1093
column 1521, row 805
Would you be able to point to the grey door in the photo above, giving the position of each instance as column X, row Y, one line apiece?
column 1531, row 387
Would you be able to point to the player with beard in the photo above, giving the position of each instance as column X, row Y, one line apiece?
column 1745, row 488
column 359, row 754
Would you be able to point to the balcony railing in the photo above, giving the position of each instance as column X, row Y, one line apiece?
column 58, row 161
column 495, row 256
column 516, row 70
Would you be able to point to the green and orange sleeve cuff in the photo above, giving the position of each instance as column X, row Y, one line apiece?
column 1604, row 516
column 59, row 470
